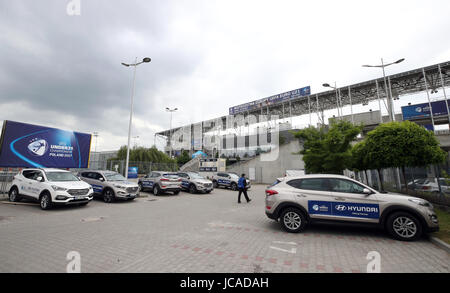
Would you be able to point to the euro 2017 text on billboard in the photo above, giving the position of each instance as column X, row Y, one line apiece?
column 305, row 91
column 27, row 145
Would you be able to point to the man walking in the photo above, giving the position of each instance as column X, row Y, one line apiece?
column 242, row 186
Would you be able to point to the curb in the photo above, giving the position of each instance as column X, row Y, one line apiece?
column 440, row 243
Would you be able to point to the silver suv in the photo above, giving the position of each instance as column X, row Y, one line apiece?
column 297, row 201
column 227, row 179
column 160, row 182
column 194, row 182
column 110, row 185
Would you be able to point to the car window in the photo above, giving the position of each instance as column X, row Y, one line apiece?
column 96, row 176
column 37, row 174
column 347, row 186
column 156, row 174
column 28, row 174
column 320, row 184
column 85, row 174
column 183, row 175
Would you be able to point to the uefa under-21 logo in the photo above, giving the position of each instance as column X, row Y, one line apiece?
column 38, row 147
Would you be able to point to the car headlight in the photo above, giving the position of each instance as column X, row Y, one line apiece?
column 57, row 188
column 420, row 202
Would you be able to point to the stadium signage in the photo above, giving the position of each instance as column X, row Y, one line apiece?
column 301, row 92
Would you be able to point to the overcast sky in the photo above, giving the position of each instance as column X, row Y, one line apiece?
column 64, row 71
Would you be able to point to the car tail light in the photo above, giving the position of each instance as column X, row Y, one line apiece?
column 426, row 187
column 163, row 179
column 179, row 179
column 271, row 192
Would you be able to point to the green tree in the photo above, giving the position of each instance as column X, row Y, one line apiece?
column 328, row 150
column 359, row 161
column 141, row 154
column 402, row 144
column 183, row 158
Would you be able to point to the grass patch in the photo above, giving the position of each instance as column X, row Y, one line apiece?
column 444, row 225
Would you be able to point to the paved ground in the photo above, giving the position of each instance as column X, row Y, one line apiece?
column 194, row 233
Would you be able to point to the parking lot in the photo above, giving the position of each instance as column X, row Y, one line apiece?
column 194, row 233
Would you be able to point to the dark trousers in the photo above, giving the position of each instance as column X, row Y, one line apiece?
column 243, row 190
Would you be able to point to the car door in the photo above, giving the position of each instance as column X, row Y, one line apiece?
column 351, row 203
column 314, row 195
column 185, row 180
column 94, row 179
column 150, row 181
column 36, row 185
column 26, row 182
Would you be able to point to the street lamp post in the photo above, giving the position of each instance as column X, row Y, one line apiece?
column 388, row 96
column 170, row 129
column 145, row 60
column 338, row 96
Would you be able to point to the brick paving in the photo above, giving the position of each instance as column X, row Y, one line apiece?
column 195, row 233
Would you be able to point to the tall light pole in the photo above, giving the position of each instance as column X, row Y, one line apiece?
column 170, row 129
column 96, row 136
column 338, row 96
column 388, row 96
column 145, row 60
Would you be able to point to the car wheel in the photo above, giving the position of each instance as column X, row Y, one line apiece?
column 156, row 190
column 215, row 184
column 14, row 195
column 45, row 201
column 141, row 187
column 293, row 220
column 404, row 226
column 192, row 189
column 176, row 192
column 233, row 186
column 108, row 196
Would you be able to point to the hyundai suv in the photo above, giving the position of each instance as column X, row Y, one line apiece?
column 227, row 179
column 160, row 182
column 50, row 187
column 298, row 201
column 194, row 182
column 110, row 185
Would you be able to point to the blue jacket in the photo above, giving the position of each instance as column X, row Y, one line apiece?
column 242, row 182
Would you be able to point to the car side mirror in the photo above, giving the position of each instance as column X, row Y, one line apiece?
column 367, row 191
column 40, row 179
column 102, row 179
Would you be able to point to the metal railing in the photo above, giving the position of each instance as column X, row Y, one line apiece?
column 6, row 177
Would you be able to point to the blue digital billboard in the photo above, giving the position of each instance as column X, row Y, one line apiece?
column 132, row 172
column 418, row 111
column 27, row 145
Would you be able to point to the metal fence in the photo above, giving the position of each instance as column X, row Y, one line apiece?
column 425, row 182
column 6, row 177
column 119, row 166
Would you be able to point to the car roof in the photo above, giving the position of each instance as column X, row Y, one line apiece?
column 46, row 169
column 317, row 176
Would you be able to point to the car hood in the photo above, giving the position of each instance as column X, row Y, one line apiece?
column 204, row 181
column 124, row 183
column 71, row 184
column 399, row 197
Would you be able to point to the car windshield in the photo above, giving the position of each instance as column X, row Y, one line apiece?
column 114, row 177
column 61, row 176
column 196, row 176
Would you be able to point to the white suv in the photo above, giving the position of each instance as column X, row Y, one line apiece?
column 50, row 187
